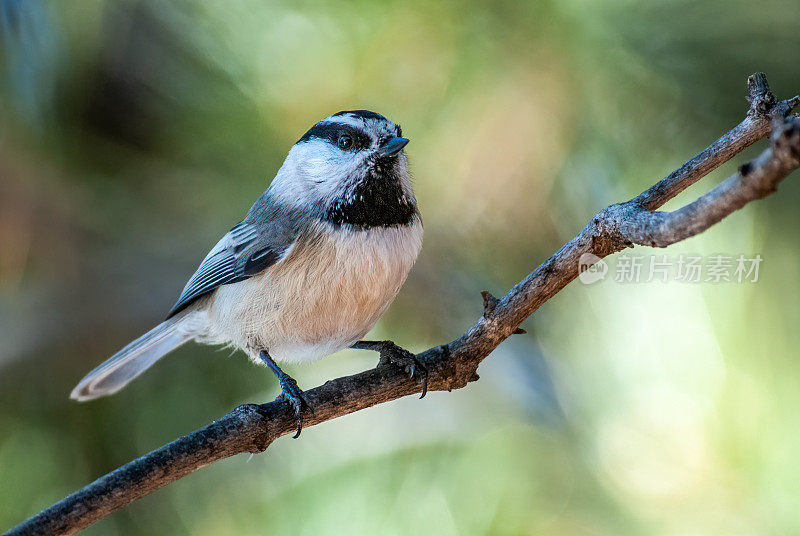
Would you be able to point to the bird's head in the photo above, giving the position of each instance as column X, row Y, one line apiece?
column 350, row 168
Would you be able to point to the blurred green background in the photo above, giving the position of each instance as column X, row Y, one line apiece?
column 134, row 133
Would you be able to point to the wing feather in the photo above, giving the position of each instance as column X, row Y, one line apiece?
column 243, row 252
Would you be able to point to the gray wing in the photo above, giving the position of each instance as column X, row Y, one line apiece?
column 246, row 250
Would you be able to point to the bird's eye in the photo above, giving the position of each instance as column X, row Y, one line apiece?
column 345, row 142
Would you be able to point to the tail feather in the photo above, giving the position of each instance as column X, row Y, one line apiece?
column 118, row 370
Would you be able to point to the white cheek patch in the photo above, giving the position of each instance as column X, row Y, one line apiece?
column 326, row 171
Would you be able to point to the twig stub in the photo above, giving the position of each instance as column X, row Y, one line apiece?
column 759, row 96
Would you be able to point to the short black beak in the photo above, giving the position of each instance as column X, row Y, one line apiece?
column 393, row 146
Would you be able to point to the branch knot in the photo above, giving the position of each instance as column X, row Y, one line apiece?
column 607, row 238
column 489, row 302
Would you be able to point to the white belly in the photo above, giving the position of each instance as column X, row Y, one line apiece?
column 326, row 294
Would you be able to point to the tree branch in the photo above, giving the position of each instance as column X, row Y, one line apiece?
column 252, row 427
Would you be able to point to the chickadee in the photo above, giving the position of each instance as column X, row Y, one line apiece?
column 308, row 271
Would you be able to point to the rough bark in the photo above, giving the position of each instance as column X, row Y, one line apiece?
column 253, row 427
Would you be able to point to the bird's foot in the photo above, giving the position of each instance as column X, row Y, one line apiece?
column 400, row 357
column 290, row 392
column 296, row 399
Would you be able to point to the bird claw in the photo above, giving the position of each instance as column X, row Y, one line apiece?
column 296, row 398
column 400, row 357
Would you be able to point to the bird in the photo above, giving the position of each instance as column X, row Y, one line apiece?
column 313, row 265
